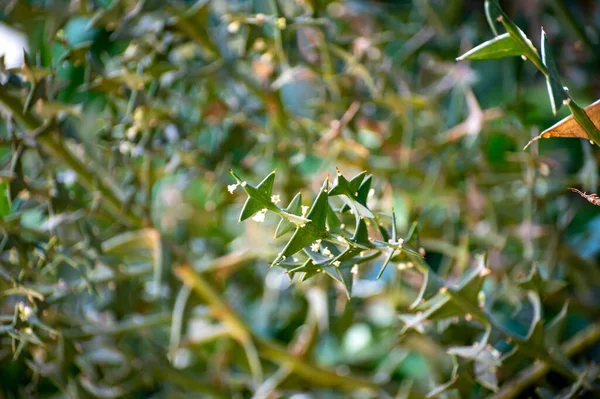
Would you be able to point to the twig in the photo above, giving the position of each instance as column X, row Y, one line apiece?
column 338, row 126
column 267, row 349
column 187, row 381
column 114, row 198
column 579, row 342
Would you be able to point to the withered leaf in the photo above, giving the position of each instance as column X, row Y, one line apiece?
column 569, row 127
column 592, row 198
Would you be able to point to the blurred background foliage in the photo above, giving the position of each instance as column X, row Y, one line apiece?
column 120, row 243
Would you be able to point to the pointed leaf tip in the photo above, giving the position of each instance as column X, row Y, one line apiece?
column 571, row 128
column 499, row 47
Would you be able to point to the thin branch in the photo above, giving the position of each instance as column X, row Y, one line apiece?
column 579, row 342
column 267, row 349
column 114, row 200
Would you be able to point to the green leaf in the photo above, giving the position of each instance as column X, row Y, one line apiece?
column 317, row 213
column 499, row 47
column 302, row 237
column 346, row 277
column 441, row 306
column 535, row 282
column 313, row 230
column 535, row 336
column 349, row 192
column 527, row 48
column 362, row 193
column 361, row 235
column 556, row 328
column 4, row 199
column 431, row 285
column 556, row 92
column 259, row 197
column 333, row 222
column 492, row 13
column 295, row 208
column 485, row 360
column 386, row 262
column 470, row 287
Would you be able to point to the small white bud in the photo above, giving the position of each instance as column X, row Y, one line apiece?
column 231, row 188
column 233, row 27
column 260, row 215
column 24, row 311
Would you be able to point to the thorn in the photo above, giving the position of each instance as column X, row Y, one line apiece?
column 567, row 101
column 536, row 138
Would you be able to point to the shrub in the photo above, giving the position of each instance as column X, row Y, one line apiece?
column 396, row 241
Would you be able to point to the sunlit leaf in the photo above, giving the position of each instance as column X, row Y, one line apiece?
column 499, row 47
column 570, row 128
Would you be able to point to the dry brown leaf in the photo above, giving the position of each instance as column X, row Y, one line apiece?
column 592, row 198
column 569, row 128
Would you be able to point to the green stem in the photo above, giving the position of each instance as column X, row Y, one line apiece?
column 113, row 198
column 187, row 381
column 132, row 325
column 581, row 341
column 268, row 350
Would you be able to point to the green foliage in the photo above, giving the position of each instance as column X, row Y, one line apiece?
column 443, row 261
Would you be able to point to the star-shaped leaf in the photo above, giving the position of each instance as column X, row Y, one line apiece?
column 535, row 282
column 485, row 358
column 349, row 192
column 362, row 193
column 461, row 380
column 259, row 197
